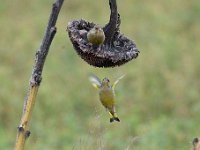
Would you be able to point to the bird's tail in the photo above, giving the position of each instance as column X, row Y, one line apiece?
column 114, row 119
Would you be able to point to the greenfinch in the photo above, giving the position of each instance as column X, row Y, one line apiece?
column 96, row 35
column 106, row 94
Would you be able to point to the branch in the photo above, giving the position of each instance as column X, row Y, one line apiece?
column 36, row 77
column 110, row 28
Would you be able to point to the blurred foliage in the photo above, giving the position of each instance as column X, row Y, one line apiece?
column 157, row 101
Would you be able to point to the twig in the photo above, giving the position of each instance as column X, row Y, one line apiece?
column 36, row 77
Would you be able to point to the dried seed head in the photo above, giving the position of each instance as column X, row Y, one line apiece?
column 120, row 51
column 102, row 47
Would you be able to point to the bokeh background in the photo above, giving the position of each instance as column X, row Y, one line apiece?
column 157, row 101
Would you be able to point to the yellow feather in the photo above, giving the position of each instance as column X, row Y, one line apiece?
column 115, row 83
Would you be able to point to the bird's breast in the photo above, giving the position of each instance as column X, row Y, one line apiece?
column 107, row 97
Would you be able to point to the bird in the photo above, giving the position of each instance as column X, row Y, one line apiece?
column 106, row 94
column 196, row 144
column 96, row 35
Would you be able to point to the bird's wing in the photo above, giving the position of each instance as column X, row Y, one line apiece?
column 96, row 82
column 115, row 83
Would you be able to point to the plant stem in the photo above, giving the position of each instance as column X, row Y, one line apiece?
column 36, row 77
column 110, row 28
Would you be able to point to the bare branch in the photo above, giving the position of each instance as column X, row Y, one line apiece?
column 36, row 77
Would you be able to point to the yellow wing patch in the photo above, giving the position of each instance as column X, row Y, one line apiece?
column 115, row 83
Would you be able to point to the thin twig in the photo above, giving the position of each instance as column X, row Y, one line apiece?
column 36, row 77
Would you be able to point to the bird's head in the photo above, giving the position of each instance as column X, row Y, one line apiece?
column 98, row 29
column 105, row 82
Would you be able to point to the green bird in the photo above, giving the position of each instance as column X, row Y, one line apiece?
column 106, row 94
column 96, row 35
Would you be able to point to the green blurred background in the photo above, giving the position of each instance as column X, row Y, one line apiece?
column 157, row 101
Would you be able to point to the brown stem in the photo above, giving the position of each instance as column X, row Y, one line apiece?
column 110, row 28
column 36, row 77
